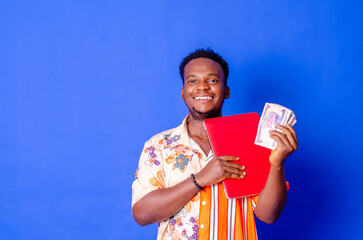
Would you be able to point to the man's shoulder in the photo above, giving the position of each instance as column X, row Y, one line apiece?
column 167, row 137
column 166, row 134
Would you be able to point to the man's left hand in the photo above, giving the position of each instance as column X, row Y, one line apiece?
column 286, row 144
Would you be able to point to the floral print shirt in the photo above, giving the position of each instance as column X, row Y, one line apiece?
column 167, row 159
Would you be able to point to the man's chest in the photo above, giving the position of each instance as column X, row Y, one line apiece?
column 180, row 162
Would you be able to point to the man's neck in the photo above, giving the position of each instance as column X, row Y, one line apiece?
column 196, row 126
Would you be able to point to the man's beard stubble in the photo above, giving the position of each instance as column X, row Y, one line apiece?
column 200, row 116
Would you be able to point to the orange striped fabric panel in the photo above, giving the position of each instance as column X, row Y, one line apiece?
column 238, row 232
column 251, row 227
column 205, row 216
column 242, row 206
column 204, row 213
column 222, row 213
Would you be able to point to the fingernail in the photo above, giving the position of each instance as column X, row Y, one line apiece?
column 243, row 167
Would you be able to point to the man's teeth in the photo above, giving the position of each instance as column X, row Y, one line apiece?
column 203, row 98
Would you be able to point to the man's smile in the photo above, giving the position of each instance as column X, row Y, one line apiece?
column 203, row 98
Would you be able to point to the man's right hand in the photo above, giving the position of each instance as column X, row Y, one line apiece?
column 218, row 169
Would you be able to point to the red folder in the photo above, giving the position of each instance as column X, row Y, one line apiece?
column 235, row 135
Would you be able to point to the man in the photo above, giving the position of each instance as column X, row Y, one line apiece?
column 178, row 182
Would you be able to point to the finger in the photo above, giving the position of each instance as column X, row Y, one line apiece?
column 292, row 130
column 232, row 175
column 234, row 171
column 290, row 136
column 278, row 137
column 228, row 158
column 288, row 129
column 232, row 164
column 282, row 136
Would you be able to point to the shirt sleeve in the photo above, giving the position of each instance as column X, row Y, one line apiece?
column 149, row 175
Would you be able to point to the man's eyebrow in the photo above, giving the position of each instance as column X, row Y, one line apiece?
column 191, row 75
column 213, row 74
column 209, row 74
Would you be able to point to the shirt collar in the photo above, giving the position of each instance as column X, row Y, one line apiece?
column 180, row 136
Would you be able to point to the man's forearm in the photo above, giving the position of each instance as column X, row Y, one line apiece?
column 273, row 197
column 162, row 204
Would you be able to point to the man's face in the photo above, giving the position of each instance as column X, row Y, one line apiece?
column 204, row 90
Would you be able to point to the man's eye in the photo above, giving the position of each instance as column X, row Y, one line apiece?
column 213, row 80
column 192, row 81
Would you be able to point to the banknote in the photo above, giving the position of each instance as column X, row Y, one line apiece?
column 272, row 115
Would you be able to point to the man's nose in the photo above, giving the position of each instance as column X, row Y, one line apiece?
column 203, row 86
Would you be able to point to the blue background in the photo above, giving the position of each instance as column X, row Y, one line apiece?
column 85, row 83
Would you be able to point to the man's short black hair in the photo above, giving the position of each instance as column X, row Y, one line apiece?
column 205, row 53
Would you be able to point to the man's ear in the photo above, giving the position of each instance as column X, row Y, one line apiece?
column 182, row 94
column 227, row 92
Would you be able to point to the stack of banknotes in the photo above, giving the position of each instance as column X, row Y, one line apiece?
column 272, row 114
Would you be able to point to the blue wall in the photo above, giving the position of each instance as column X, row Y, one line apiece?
column 85, row 83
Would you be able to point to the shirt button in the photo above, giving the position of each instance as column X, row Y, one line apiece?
column 204, row 203
column 202, row 226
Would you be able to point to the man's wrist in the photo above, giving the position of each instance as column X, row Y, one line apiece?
column 195, row 182
column 278, row 167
